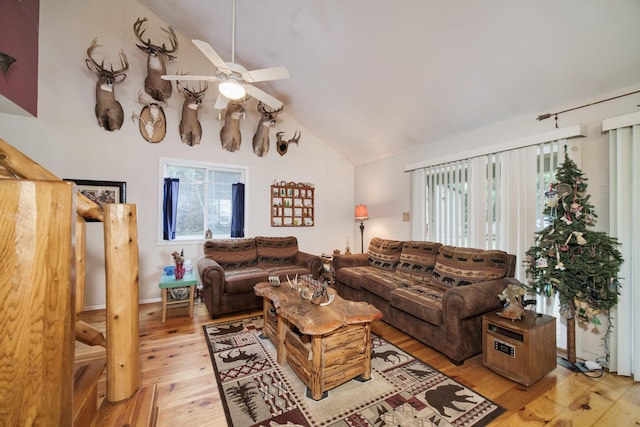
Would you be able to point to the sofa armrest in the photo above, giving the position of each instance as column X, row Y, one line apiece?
column 350, row 260
column 311, row 262
column 462, row 302
column 213, row 279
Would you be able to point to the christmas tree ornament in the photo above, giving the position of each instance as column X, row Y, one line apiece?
column 563, row 190
column 542, row 262
column 576, row 209
column 566, row 218
column 579, row 239
column 551, row 201
column 559, row 264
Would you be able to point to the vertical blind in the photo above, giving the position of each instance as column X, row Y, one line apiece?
column 624, row 156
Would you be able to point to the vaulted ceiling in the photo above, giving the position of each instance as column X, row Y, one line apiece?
column 374, row 78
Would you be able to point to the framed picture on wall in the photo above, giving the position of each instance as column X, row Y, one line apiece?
column 101, row 192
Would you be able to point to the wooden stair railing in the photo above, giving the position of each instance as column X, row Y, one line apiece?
column 42, row 248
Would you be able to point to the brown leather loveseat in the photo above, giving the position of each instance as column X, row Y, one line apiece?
column 231, row 267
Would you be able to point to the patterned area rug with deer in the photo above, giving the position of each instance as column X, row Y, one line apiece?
column 403, row 391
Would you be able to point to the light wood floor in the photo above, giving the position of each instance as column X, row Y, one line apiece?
column 174, row 355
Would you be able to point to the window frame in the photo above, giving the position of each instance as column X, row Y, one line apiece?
column 164, row 162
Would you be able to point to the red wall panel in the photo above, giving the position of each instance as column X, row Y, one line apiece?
column 19, row 38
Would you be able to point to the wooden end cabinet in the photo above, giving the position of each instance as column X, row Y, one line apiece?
column 325, row 346
column 522, row 350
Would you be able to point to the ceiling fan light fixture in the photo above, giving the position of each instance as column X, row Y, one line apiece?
column 232, row 89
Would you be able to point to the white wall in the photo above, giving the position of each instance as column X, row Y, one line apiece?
column 66, row 139
column 385, row 188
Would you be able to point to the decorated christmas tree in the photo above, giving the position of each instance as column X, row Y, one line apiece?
column 569, row 260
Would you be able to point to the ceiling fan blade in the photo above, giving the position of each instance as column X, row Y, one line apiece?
column 212, row 55
column 188, row 77
column 274, row 73
column 263, row 96
column 221, row 102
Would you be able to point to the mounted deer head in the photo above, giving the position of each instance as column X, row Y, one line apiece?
column 190, row 128
column 159, row 89
column 283, row 145
column 230, row 135
column 261, row 138
column 151, row 121
column 108, row 111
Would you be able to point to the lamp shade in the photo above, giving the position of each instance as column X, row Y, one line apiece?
column 232, row 89
column 361, row 213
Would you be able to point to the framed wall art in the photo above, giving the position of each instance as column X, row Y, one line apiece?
column 102, row 192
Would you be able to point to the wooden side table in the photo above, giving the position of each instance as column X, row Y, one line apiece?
column 522, row 350
column 169, row 282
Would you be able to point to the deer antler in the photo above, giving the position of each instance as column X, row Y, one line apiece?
column 173, row 39
column 137, row 26
column 296, row 138
column 263, row 110
column 100, row 67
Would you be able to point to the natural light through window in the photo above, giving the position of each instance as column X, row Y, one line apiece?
column 204, row 197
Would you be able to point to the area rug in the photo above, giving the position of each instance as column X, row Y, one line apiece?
column 403, row 391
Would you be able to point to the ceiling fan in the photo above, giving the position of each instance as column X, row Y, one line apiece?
column 234, row 80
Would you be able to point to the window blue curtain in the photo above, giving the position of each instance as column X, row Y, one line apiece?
column 170, row 208
column 237, row 210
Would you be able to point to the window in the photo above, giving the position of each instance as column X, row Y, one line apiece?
column 204, row 197
column 493, row 201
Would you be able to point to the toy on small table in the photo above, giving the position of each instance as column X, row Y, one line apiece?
column 179, row 259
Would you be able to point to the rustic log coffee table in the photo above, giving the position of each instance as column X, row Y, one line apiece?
column 325, row 345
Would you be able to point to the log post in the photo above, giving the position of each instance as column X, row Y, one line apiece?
column 37, row 315
column 81, row 263
column 121, row 265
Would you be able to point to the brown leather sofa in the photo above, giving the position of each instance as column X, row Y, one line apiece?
column 435, row 293
column 231, row 267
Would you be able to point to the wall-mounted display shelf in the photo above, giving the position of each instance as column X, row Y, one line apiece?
column 292, row 204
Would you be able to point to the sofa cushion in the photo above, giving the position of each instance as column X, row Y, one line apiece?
column 284, row 270
column 421, row 301
column 274, row 251
column 457, row 266
column 352, row 276
column 417, row 260
column 384, row 254
column 232, row 254
column 382, row 282
column 243, row 280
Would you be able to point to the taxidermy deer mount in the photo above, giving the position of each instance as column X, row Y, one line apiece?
column 261, row 138
column 154, row 85
column 5, row 62
column 152, row 120
column 230, row 135
column 108, row 111
column 190, row 128
column 283, row 145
